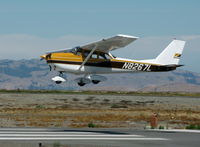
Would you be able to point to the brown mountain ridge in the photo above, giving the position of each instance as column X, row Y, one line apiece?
column 35, row 74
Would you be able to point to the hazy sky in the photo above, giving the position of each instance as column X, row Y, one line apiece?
column 29, row 28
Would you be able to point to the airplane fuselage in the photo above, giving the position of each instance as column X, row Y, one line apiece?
column 95, row 58
column 100, row 63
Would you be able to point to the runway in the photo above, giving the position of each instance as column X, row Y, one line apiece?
column 98, row 137
column 36, row 135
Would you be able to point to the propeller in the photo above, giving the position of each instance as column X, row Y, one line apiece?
column 46, row 56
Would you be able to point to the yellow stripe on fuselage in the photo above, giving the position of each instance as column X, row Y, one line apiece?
column 79, row 58
column 66, row 57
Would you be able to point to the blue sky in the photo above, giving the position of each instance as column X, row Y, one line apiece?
column 56, row 18
column 39, row 25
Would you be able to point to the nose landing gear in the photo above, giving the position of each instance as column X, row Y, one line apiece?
column 59, row 79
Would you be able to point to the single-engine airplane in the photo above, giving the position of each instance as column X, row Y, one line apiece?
column 95, row 58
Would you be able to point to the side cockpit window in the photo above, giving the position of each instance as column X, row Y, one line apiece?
column 97, row 55
column 85, row 54
column 93, row 56
column 107, row 56
column 102, row 56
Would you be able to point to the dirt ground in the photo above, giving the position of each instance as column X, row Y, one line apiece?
column 76, row 110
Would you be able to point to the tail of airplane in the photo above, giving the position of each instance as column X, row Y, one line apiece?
column 171, row 54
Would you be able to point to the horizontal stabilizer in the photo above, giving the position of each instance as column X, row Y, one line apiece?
column 174, row 65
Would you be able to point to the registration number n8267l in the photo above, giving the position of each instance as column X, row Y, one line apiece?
column 136, row 66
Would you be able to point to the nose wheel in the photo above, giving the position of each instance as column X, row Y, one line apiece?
column 59, row 79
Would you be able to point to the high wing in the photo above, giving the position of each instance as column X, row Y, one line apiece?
column 106, row 45
column 109, row 44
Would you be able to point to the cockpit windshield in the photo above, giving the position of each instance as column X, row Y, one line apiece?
column 95, row 55
column 75, row 50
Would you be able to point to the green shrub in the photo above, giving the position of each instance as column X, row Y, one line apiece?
column 193, row 127
column 91, row 125
column 56, row 144
column 118, row 106
column 161, row 127
column 39, row 107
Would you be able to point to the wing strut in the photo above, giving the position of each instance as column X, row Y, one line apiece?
column 87, row 58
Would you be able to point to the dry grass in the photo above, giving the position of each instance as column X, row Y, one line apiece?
column 78, row 111
column 103, row 118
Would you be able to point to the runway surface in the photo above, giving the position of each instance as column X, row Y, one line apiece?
column 100, row 137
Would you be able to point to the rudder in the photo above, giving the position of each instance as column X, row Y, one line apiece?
column 172, row 53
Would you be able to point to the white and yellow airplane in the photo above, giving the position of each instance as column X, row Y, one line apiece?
column 95, row 58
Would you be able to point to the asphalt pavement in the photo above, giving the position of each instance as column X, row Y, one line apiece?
column 95, row 137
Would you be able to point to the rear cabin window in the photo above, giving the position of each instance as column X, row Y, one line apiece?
column 94, row 56
column 104, row 56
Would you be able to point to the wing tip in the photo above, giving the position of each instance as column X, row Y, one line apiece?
column 127, row 36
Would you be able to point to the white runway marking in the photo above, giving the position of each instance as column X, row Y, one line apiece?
column 46, row 135
column 176, row 130
column 57, row 138
column 14, row 135
column 11, row 132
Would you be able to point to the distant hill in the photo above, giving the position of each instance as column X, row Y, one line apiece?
column 34, row 74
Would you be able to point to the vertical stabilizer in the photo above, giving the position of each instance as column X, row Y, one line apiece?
column 171, row 54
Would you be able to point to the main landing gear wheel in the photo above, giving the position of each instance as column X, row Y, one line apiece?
column 95, row 81
column 81, row 84
column 58, row 82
